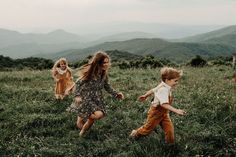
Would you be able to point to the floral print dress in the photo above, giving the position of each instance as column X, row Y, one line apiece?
column 91, row 93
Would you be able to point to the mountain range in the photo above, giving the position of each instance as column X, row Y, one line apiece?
column 59, row 43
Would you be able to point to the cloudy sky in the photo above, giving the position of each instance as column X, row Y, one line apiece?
column 47, row 15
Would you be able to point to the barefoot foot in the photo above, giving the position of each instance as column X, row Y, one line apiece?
column 134, row 133
column 81, row 133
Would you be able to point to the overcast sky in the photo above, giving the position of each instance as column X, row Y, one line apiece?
column 46, row 15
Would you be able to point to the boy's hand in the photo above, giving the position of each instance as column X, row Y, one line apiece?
column 180, row 112
column 142, row 98
column 120, row 96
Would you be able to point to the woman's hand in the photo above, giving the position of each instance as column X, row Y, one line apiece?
column 120, row 96
column 78, row 99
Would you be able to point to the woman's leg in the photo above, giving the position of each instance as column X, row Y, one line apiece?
column 95, row 116
column 80, row 122
column 86, row 126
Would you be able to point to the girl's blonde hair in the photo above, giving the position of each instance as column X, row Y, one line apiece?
column 57, row 64
column 93, row 69
column 170, row 73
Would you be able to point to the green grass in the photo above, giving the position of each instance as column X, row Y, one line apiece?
column 33, row 123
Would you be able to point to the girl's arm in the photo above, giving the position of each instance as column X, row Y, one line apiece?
column 147, row 94
column 173, row 109
column 54, row 75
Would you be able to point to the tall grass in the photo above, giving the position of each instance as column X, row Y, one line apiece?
column 33, row 123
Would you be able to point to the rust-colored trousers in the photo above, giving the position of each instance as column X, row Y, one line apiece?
column 158, row 115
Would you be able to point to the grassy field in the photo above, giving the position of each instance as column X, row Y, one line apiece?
column 33, row 123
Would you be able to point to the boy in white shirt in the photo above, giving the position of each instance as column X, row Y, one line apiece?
column 161, row 105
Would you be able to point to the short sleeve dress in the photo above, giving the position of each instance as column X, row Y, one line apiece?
column 91, row 93
column 65, row 82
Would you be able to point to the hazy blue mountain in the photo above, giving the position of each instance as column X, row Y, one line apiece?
column 161, row 30
column 177, row 52
column 127, row 36
column 61, row 43
column 229, row 39
column 121, row 37
column 8, row 37
column 18, row 45
column 210, row 35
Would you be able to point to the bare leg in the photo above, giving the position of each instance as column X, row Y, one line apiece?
column 80, row 122
column 86, row 126
column 95, row 116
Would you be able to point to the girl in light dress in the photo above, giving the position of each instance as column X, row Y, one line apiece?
column 62, row 75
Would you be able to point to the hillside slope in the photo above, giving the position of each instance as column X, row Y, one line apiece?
column 177, row 52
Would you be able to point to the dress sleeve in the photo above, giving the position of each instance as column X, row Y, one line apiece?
column 109, row 89
column 78, row 87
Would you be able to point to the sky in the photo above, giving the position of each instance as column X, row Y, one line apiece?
column 77, row 15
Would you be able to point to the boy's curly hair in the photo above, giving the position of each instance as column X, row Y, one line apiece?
column 170, row 73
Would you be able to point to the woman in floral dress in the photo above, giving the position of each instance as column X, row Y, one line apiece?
column 89, row 101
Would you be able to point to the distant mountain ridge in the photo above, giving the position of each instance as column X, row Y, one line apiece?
column 210, row 35
column 18, row 45
column 177, row 52
column 229, row 39
column 60, row 43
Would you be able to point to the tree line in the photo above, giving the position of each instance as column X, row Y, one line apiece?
column 33, row 63
column 123, row 62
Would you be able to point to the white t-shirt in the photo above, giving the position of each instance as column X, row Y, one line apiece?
column 161, row 94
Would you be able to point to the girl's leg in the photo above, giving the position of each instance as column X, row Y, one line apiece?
column 61, row 97
column 95, row 116
column 57, row 96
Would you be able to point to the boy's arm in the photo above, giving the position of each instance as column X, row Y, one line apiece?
column 147, row 94
column 173, row 109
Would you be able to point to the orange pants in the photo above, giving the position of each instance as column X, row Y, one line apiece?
column 158, row 115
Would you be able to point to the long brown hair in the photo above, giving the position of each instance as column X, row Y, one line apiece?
column 93, row 69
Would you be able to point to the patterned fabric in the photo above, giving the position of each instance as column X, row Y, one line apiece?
column 91, row 93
